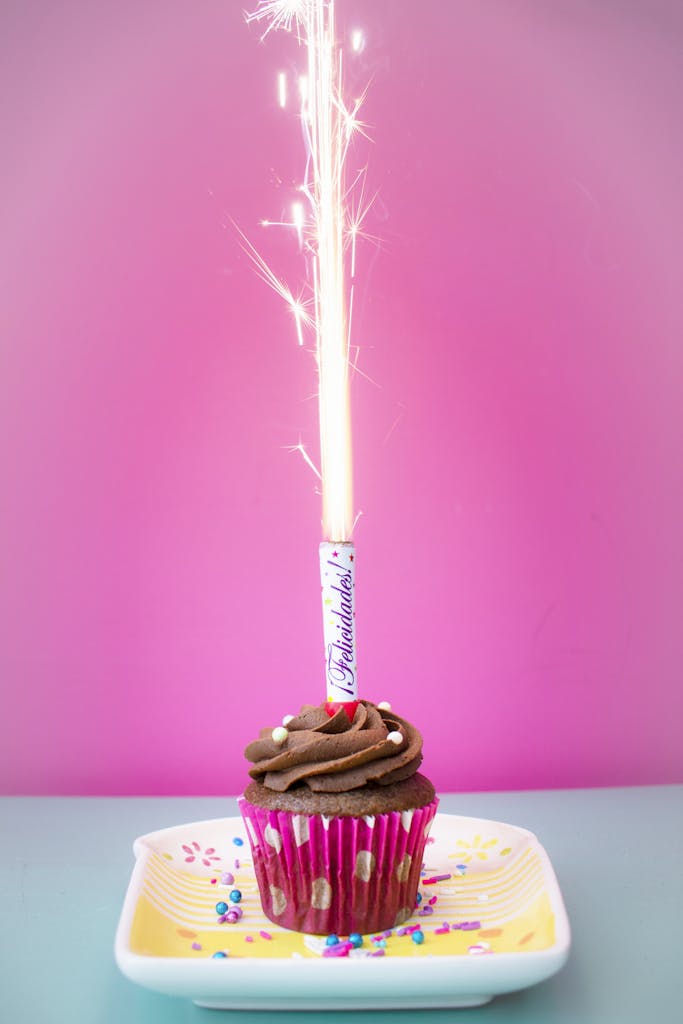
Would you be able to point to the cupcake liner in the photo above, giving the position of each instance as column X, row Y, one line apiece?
column 328, row 875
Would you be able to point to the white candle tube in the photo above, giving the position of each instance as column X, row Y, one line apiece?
column 338, row 579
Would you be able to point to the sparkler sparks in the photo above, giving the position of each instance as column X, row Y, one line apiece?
column 297, row 306
column 306, row 457
column 282, row 89
column 357, row 41
column 279, row 14
column 327, row 233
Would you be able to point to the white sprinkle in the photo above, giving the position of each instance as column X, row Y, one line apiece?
column 287, row 719
column 279, row 735
column 478, row 948
column 384, row 705
column 395, row 737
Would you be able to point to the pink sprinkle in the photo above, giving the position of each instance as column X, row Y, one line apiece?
column 436, row 878
column 425, row 911
column 402, row 931
column 213, row 881
column 412, row 928
column 468, row 926
column 196, row 945
column 227, row 878
column 430, row 840
column 265, row 935
column 446, row 926
column 388, row 933
column 378, row 952
column 433, row 900
column 248, row 938
column 441, row 931
column 237, row 866
column 339, row 949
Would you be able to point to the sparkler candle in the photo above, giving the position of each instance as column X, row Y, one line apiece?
column 361, row 775
column 328, row 224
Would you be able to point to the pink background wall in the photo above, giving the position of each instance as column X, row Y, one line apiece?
column 519, row 466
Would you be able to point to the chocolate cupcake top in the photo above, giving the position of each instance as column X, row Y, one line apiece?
column 333, row 755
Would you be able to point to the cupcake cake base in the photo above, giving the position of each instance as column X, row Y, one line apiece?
column 354, row 870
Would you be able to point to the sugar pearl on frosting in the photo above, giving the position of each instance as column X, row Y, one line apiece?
column 279, row 735
column 395, row 737
column 287, row 719
column 384, row 705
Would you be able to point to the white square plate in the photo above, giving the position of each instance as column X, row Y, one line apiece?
column 496, row 924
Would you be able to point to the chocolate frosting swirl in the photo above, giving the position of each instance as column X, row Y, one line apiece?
column 334, row 755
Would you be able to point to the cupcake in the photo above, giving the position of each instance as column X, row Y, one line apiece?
column 337, row 817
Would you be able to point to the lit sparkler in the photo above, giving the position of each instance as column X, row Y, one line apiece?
column 327, row 223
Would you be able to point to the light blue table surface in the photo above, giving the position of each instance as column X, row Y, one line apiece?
column 618, row 854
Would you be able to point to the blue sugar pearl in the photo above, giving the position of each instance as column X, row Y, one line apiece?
column 418, row 899
column 235, row 896
column 238, row 842
column 418, row 938
column 219, row 955
column 356, row 939
column 332, row 940
column 221, row 908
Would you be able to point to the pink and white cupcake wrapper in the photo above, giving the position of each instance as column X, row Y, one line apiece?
column 337, row 875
